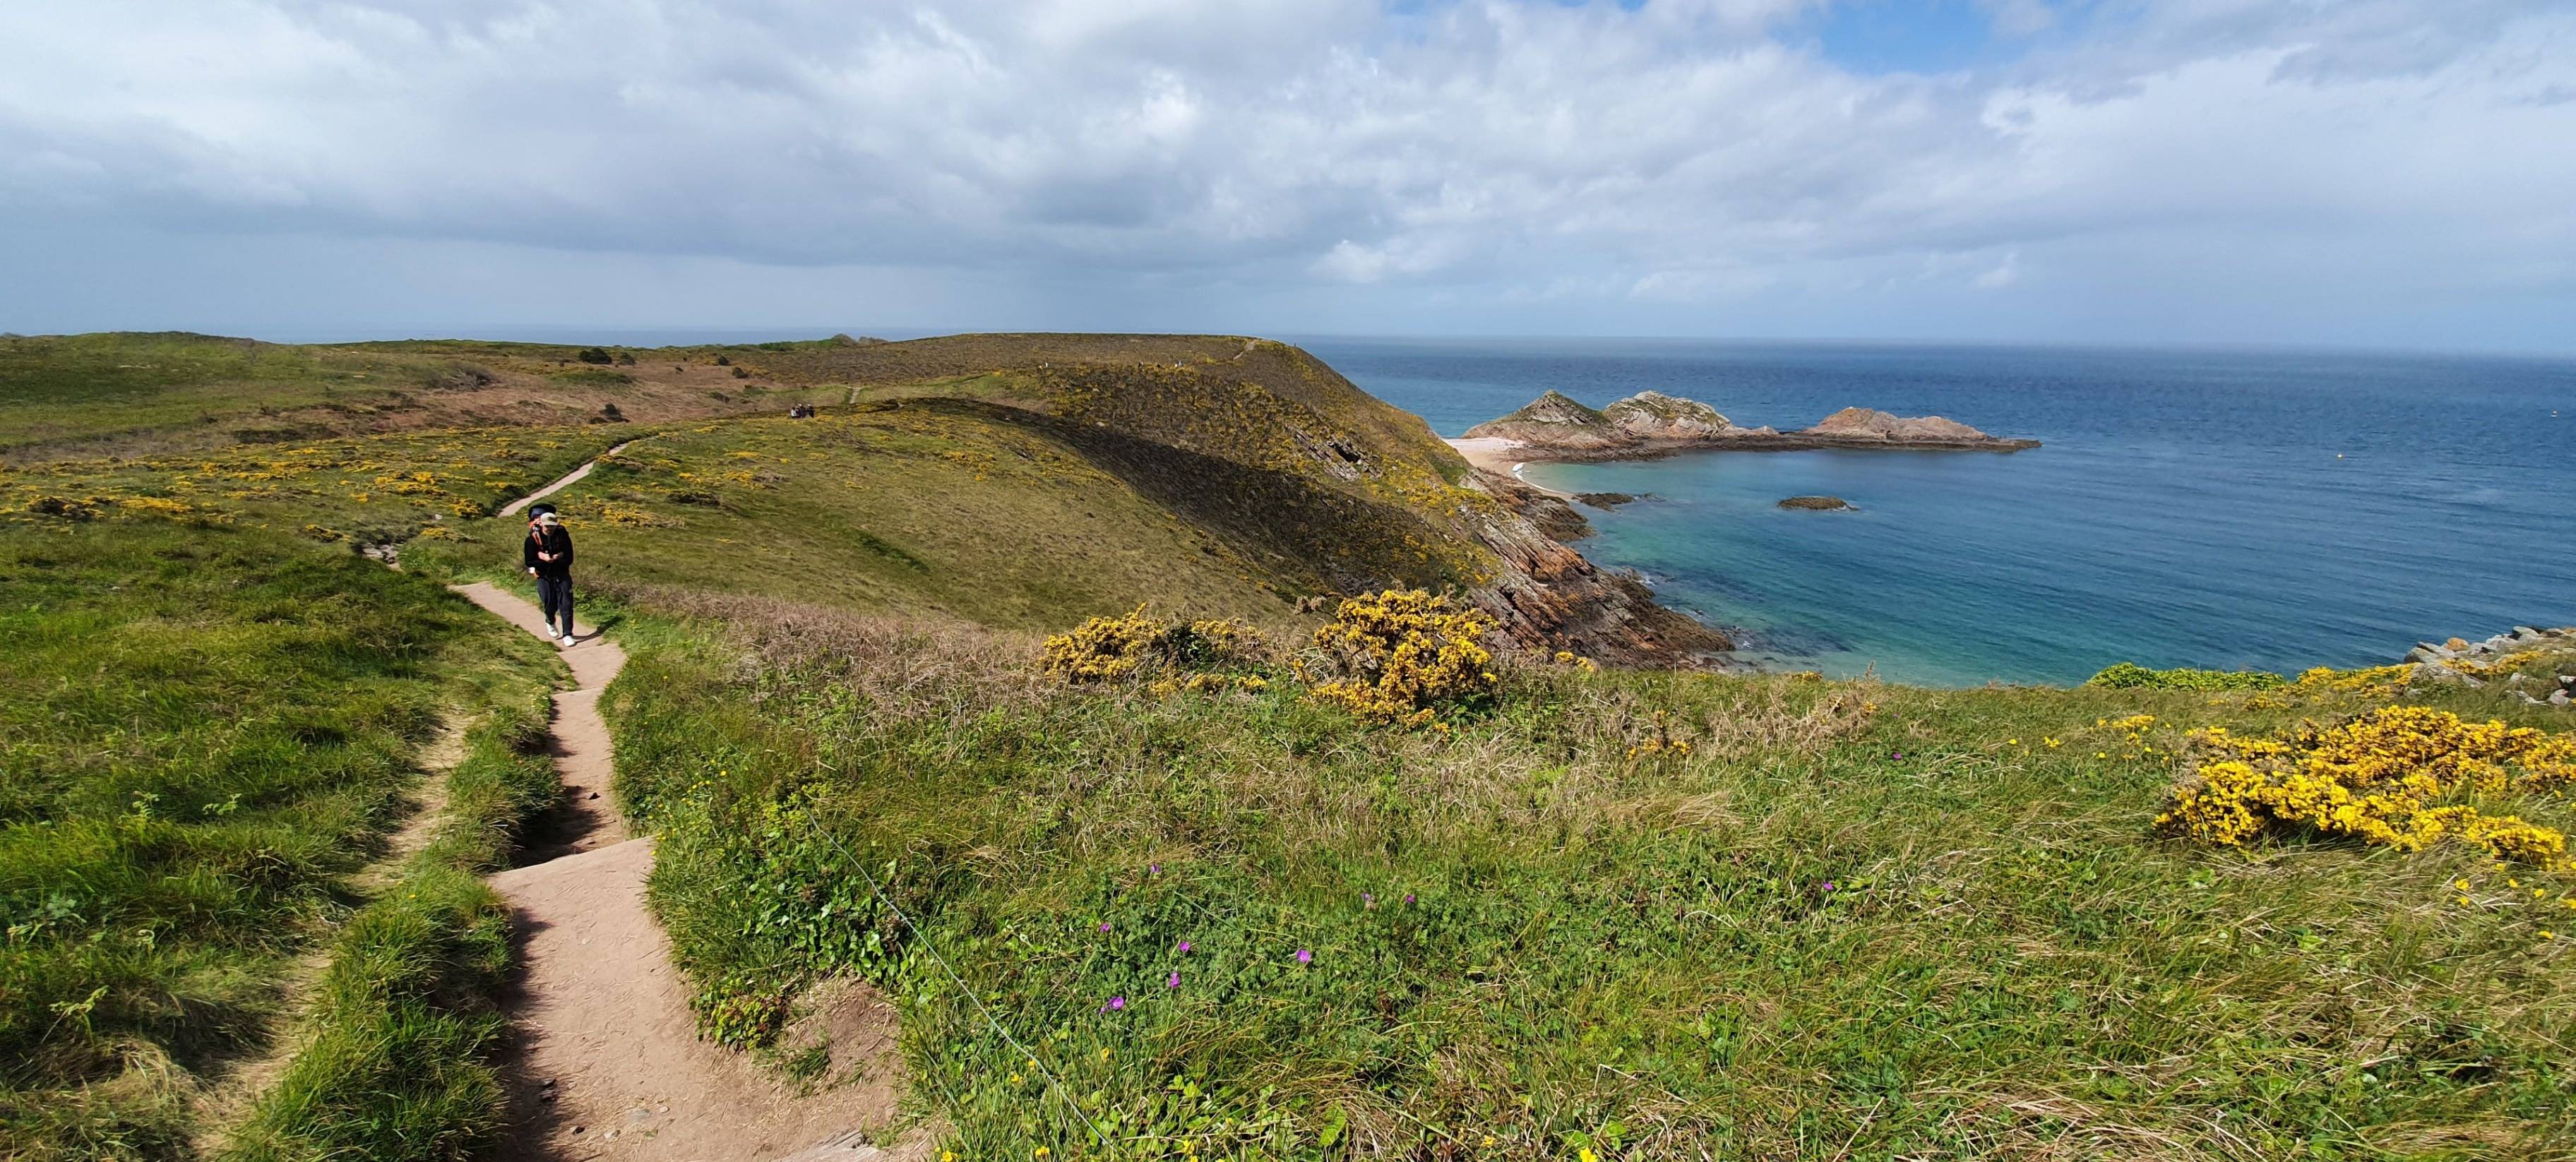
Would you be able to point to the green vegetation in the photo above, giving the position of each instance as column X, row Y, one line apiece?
column 361, row 490
column 1364, row 895
column 2132, row 676
column 207, row 731
column 1840, row 917
column 77, row 392
column 399, row 1062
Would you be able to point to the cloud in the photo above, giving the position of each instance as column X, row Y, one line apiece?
column 1483, row 151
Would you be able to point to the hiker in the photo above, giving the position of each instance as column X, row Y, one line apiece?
column 547, row 553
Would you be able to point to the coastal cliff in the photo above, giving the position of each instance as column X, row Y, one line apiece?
column 1649, row 424
column 1550, row 597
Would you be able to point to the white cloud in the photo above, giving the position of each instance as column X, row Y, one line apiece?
column 1476, row 152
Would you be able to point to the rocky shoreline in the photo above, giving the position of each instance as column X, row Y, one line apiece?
column 1651, row 425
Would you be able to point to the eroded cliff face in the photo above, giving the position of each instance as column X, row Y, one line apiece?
column 1551, row 598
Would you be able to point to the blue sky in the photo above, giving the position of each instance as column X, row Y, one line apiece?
column 2352, row 173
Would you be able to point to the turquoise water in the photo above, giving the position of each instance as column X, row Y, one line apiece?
column 2230, row 509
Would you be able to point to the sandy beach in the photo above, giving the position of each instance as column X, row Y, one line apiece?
column 1496, row 454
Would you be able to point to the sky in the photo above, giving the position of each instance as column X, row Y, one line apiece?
column 2369, row 173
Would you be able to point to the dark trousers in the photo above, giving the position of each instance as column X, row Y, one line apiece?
column 553, row 594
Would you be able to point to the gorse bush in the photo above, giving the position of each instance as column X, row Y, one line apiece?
column 1402, row 657
column 1143, row 645
column 2132, row 676
column 2398, row 776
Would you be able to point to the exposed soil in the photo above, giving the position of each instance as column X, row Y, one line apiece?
column 607, row 1060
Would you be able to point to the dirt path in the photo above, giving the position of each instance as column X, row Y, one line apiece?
column 520, row 505
column 609, row 1062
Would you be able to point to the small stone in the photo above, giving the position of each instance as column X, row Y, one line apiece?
column 2426, row 653
column 594, row 794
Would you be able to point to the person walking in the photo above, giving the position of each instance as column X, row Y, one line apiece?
column 547, row 554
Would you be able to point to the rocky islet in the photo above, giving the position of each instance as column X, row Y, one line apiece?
column 1648, row 424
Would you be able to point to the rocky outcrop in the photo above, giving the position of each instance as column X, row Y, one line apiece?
column 1649, row 424
column 1652, row 415
column 1556, row 421
column 1549, row 598
column 1816, row 503
column 2467, row 663
column 1864, row 426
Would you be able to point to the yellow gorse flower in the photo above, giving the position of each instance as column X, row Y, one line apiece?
column 2384, row 777
column 1400, row 657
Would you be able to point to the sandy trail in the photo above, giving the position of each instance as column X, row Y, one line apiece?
column 609, row 1064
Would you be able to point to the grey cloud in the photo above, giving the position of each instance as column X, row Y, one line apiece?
column 1484, row 150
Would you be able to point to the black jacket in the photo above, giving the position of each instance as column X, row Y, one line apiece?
column 553, row 539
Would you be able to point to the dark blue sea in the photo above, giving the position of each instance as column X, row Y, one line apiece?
column 2265, row 509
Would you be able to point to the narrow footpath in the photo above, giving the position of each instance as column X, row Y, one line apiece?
column 609, row 1064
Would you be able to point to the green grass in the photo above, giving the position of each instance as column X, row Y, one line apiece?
column 1853, row 920
column 206, row 731
column 400, row 1058
column 911, row 510
column 61, row 391
column 351, row 491
column 1857, row 920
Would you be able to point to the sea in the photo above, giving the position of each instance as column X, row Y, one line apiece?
column 2264, row 509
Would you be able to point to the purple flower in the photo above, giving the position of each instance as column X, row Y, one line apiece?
column 1408, row 897
column 1153, row 869
column 1104, row 925
column 1114, row 1005
column 1305, row 956
column 1185, row 946
column 1175, row 981
column 1829, row 885
column 1367, row 900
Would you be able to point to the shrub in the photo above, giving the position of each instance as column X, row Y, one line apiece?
column 1402, row 657
column 594, row 355
column 2132, row 676
column 1139, row 644
column 2392, row 777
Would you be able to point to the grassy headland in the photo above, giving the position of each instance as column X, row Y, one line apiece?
column 1635, row 913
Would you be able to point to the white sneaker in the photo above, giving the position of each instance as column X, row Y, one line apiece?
column 565, row 639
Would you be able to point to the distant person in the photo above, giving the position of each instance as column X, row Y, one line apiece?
column 547, row 553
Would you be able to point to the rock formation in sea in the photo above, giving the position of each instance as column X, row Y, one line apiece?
column 1558, row 427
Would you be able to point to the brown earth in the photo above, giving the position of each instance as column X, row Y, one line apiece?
column 608, row 1061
